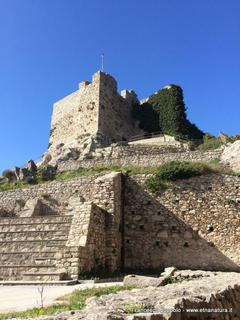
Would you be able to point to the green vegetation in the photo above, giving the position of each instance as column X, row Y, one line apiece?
column 5, row 185
column 165, row 111
column 131, row 308
column 169, row 104
column 148, row 118
column 175, row 170
column 82, row 172
column 74, row 301
column 210, row 142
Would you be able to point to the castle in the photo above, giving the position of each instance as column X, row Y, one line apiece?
column 96, row 108
column 61, row 229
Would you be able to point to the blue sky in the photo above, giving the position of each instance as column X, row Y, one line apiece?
column 48, row 46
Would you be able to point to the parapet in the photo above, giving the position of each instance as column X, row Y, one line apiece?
column 105, row 79
column 83, row 84
column 130, row 96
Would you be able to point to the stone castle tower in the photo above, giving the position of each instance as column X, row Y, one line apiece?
column 96, row 108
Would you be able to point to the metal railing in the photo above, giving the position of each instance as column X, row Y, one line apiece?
column 146, row 136
column 161, row 134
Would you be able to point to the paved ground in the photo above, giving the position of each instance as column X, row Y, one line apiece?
column 19, row 298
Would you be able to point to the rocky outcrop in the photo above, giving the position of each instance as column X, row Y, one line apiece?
column 209, row 295
column 143, row 281
column 231, row 156
column 25, row 174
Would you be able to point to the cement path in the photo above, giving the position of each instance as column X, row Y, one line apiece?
column 20, row 298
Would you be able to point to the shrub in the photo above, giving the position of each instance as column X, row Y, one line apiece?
column 173, row 171
column 156, row 185
column 47, row 173
column 210, row 143
column 9, row 175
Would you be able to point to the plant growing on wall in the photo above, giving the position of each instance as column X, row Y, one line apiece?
column 148, row 117
column 169, row 104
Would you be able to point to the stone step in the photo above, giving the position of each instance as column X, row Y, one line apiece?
column 16, row 272
column 33, row 235
column 65, row 227
column 38, row 282
column 31, row 220
column 31, row 245
column 22, row 257
column 45, row 276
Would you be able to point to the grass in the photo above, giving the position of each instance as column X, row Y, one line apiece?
column 163, row 182
column 210, row 144
column 82, row 172
column 5, row 185
column 131, row 308
column 73, row 301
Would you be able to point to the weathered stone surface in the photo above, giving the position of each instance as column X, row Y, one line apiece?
column 10, row 175
column 137, row 155
column 25, row 175
column 139, row 281
column 143, row 281
column 216, row 297
column 32, row 208
column 193, row 225
column 219, row 291
column 231, row 156
column 31, row 166
column 42, row 232
column 78, row 119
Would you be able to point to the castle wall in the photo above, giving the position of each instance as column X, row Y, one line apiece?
column 194, row 225
column 115, row 111
column 75, row 116
column 139, row 156
column 94, row 107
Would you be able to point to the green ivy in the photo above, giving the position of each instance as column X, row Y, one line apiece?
column 165, row 111
column 169, row 104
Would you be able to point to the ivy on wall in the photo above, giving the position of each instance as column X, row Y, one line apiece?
column 165, row 111
column 148, row 118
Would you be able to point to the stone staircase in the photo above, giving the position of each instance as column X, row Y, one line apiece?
column 31, row 247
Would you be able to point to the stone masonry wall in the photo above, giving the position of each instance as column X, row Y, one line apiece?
column 87, row 111
column 194, row 225
column 139, row 156
column 75, row 116
column 88, row 233
column 115, row 112
column 95, row 235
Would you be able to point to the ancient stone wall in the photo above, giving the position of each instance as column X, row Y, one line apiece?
column 94, row 108
column 193, row 225
column 115, row 112
column 75, row 116
column 91, row 240
column 138, row 156
column 88, row 232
